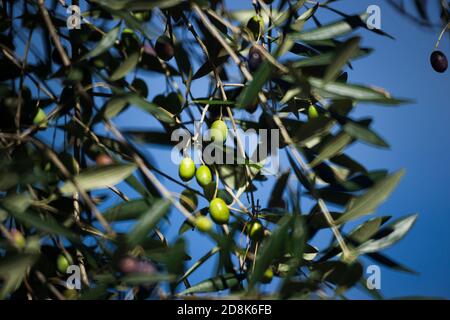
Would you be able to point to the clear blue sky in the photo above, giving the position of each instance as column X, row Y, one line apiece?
column 419, row 136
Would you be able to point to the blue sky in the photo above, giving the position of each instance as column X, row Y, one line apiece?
column 418, row 133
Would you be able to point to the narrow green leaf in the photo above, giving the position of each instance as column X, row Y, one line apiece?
column 331, row 30
column 357, row 92
column 126, row 67
column 369, row 201
column 272, row 248
column 148, row 221
column 250, row 92
column 363, row 133
column 129, row 210
column 344, row 52
column 332, row 147
column 395, row 231
column 219, row 283
column 104, row 44
column 99, row 177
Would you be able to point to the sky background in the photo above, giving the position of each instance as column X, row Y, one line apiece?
column 418, row 133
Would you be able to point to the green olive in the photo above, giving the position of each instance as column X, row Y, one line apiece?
column 312, row 112
column 189, row 200
column 203, row 175
column 256, row 27
column 40, row 119
column 219, row 211
column 62, row 263
column 19, row 239
column 267, row 276
column 219, row 131
column 186, row 170
column 255, row 230
column 203, row 224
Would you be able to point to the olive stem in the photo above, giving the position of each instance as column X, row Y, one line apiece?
column 441, row 35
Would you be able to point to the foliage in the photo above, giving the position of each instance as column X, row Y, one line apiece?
column 58, row 169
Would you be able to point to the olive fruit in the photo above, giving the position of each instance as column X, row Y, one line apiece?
column 203, row 176
column 140, row 86
column 219, row 211
column 312, row 112
column 103, row 160
column 129, row 264
column 19, row 239
column 267, row 276
column 439, row 61
column 219, row 131
column 256, row 26
column 203, row 224
column 40, row 119
column 62, row 263
column 186, row 170
column 164, row 48
column 189, row 200
column 255, row 58
column 255, row 230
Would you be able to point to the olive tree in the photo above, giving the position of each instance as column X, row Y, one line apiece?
column 69, row 68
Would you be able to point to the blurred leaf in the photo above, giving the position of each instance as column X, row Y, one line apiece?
column 332, row 30
column 370, row 200
column 129, row 210
column 332, row 147
column 206, row 67
column 357, row 92
column 99, row 177
column 148, row 221
column 271, row 248
column 126, row 67
column 107, row 42
column 389, row 235
column 219, row 283
column 137, row 5
column 12, row 271
column 343, row 53
column 251, row 90
column 363, row 133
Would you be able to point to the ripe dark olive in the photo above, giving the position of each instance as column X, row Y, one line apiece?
column 131, row 264
column 62, row 263
column 140, row 86
column 186, row 170
column 203, row 176
column 219, row 211
column 189, row 200
column 256, row 27
column 219, row 131
column 103, row 160
column 203, row 224
column 251, row 108
column 255, row 230
column 267, row 277
column 164, row 48
column 255, row 58
column 439, row 61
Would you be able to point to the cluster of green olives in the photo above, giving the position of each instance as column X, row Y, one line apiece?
column 218, row 208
